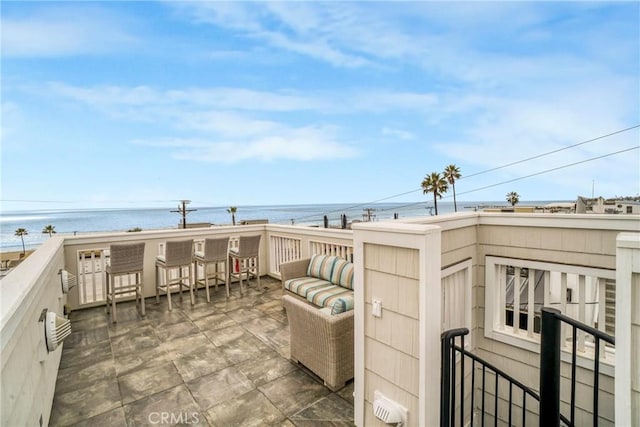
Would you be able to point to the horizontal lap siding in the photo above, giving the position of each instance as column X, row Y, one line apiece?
column 391, row 341
column 593, row 248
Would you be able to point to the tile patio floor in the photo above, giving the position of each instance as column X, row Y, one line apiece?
column 223, row 363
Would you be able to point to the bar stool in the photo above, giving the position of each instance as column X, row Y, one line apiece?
column 126, row 260
column 216, row 252
column 245, row 258
column 178, row 257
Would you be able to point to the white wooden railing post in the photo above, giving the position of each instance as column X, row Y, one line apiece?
column 627, row 368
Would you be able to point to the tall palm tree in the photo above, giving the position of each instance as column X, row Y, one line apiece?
column 232, row 210
column 451, row 173
column 513, row 198
column 49, row 229
column 435, row 184
column 22, row 232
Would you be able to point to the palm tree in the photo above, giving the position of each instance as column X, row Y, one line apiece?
column 49, row 229
column 513, row 198
column 451, row 173
column 232, row 210
column 435, row 184
column 22, row 232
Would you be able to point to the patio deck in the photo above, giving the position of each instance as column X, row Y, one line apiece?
column 221, row 363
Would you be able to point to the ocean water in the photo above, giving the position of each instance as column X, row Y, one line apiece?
column 88, row 221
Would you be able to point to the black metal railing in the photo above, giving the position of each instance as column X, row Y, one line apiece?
column 549, row 397
column 448, row 398
column 550, row 367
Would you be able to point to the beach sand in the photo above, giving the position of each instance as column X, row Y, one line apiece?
column 13, row 258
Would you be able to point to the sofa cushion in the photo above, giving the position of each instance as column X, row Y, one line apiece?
column 342, row 304
column 302, row 285
column 321, row 266
column 324, row 297
column 342, row 274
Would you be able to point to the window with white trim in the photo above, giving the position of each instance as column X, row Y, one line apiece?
column 583, row 293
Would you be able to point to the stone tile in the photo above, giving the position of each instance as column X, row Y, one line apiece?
column 201, row 362
column 177, row 330
column 158, row 315
column 214, row 321
column 86, row 324
column 332, row 410
column 261, row 371
column 270, row 306
column 143, row 359
column 269, row 331
column 87, row 313
column 186, row 345
column 121, row 328
column 137, row 339
column 293, row 392
column 84, row 337
column 280, row 317
column 225, row 335
column 74, row 406
column 127, row 312
column 75, row 377
column 114, row 417
column 243, row 347
column 245, row 313
column 219, row 387
column 81, row 356
column 174, row 406
column 142, row 383
column 250, row 409
column 234, row 303
column 202, row 310
column 347, row 392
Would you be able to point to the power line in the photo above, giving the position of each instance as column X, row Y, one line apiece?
column 476, row 174
column 550, row 152
column 527, row 176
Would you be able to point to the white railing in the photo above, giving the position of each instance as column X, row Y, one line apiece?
column 583, row 293
column 330, row 248
column 91, row 283
column 283, row 249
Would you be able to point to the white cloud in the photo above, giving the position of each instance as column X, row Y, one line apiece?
column 64, row 31
column 397, row 133
column 300, row 144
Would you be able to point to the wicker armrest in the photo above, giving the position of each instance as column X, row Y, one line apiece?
column 293, row 269
column 320, row 341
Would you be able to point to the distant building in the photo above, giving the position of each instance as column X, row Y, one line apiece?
column 610, row 206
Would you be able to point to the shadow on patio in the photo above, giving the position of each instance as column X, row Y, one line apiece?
column 221, row 363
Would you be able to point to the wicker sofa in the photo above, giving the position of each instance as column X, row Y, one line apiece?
column 318, row 298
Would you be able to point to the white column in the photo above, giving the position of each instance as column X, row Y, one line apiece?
column 627, row 369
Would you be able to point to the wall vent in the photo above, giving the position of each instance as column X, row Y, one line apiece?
column 388, row 411
column 56, row 329
column 68, row 281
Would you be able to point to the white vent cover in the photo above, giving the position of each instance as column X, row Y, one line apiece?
column 68, row 281
column 56, row 329
column 388, row 411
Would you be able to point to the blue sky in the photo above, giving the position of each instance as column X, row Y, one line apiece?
column 126, row 104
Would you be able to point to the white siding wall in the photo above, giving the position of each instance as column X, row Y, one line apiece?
column 28, row 372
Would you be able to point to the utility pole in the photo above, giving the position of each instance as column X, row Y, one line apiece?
column 184, row 211
column 368, row 215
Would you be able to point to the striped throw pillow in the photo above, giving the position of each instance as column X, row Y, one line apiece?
column 321, row 266
column 342, row 304
column 342, row 273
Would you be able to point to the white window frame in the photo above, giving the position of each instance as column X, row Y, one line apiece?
column 494, row 325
